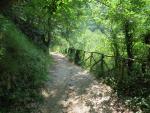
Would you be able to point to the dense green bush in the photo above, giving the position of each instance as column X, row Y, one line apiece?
column 23, row 70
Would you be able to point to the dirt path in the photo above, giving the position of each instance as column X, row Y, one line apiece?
column 73, row 90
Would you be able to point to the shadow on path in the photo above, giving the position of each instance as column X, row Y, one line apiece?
column 73, row 90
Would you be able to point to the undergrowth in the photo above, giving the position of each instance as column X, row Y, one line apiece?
column 132, row 89
column 23, row 70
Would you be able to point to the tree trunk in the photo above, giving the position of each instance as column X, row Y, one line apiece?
column 116, row 50
column 147, row 62
column 129, row 44
column 47, row 40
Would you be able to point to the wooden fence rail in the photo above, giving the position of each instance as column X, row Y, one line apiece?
column 75, row 55
column 79, row 58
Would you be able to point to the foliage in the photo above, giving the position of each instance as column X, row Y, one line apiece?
column 23, row 70
column 117, row 29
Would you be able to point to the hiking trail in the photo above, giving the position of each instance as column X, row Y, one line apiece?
column 71, row 89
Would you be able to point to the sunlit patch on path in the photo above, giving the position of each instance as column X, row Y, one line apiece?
column 73, row 90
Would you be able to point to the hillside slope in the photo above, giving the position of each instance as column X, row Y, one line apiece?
column 23, row 69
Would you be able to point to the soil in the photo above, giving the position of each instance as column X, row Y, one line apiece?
column 71, row 89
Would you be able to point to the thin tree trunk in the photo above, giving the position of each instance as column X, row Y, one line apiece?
column 146, row 62
column 129, row 45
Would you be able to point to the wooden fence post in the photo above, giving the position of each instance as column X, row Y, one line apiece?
column 77, row 58
column 91, row 58
column 102, row 64
column 71, row 53
column 121, row 74
column 83, row 55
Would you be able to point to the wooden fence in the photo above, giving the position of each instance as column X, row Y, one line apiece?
column 95, row 59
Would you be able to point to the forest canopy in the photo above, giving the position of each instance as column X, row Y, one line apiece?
column 118, row 30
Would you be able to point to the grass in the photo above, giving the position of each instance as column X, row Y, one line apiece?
column 23, row 70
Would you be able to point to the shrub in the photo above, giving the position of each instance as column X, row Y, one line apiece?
column 23, row 69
